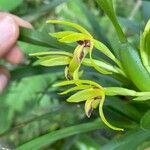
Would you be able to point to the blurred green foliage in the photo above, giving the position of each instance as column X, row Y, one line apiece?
column 34, row 116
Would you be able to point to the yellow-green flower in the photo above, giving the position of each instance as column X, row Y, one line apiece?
column 92, row 93
column 86, row 43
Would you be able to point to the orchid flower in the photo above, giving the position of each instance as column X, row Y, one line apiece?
column 92, row 93
column 86, row 43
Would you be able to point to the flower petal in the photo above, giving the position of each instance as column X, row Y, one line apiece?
column 84, row 95
column 103, row 117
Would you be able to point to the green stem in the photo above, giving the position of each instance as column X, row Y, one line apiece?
column 134, row 68
column 107, row 7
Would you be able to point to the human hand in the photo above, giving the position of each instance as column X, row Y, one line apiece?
column 9, row 32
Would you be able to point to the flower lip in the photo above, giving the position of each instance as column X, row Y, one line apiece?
column 80, row 42
column 86, row 43
column 81, row 55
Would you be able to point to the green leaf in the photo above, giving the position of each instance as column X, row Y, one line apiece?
column 60, row 134
column 84, row 95
column 145, row 121
column 133, row 67
column 145, row 46
column 93, row 21
column 7, row 117
column 41, row 39
column 34, row 14
column 146, row 10
column 8, row 5
column 29, row 71
column 86, row 142
column 131, row 140
column 18, row 90
column 124, row 107
column 145, row 145
column 131, row 25
column 107, row 7
column 18, row 96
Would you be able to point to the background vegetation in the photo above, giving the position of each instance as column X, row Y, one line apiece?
column 34, row 116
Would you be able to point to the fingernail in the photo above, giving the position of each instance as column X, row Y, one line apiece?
column 7, row 28
column 3, row 82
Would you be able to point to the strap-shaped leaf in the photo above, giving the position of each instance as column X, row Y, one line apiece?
column 107, row 7
column 73, row 25
column 84, row 95
column 145, row 46
column 50, row 138
column 145, row 121
column 101, row 113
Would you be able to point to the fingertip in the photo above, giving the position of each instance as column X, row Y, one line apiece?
column 14, row 56
column 19, row 21
column 9, row 32
column 22, row 23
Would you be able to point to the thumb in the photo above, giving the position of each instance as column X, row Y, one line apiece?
column 9, row 33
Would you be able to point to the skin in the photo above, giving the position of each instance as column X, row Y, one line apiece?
column 9, row 51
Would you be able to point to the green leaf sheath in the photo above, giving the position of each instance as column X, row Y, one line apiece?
column 41, row 39
column 134, row 68
column 107, row 7
column 145, row 46
column 145, row 121
column 60, row 134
